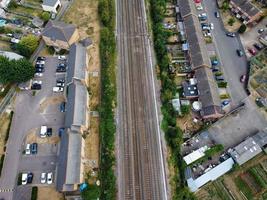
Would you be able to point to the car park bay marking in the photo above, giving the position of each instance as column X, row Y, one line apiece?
column 6, row 190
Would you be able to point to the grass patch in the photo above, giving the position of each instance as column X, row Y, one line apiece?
column 244, row 188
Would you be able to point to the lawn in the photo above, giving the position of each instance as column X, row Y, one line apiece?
column 26, row 10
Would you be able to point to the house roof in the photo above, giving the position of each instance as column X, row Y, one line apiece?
column 245, row 151
column 197, row 47
column 69, row 164
column 211, row 175
column 57, row 30
column 195, row 155
column 208, row 92
column 77, row 62
column 76, row 107
column 261, row 138
column 247, row 7
column 186, row 7
column 51, row 3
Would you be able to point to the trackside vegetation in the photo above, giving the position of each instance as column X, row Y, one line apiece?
column 173, row 133
column 106, row 10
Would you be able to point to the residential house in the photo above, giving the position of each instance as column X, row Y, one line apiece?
column 77, row 108
column 245, row 151
column 60, row 35
column 245, row 11
column 70, row 173
column 195, row 155
column 77, row 64
column 208, row 94
column 51, row 5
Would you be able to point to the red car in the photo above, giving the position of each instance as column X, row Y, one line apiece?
column 242, row 78
column 252, row 51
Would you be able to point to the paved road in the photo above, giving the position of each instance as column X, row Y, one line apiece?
column 141, row 171
column 27, row 116
column 233, row 66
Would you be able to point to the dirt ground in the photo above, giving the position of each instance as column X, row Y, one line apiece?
column 4, row 122
column 225, row 18
column 84, row 15
column 33, row 137
column 49, row 193
column 51, row 101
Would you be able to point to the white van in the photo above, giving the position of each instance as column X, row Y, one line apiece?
column 28, row 149
column 58, row 89
column 43, row 131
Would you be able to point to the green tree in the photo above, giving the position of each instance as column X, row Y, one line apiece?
column 231, row 21
column 242, row 28
column 225, row 5
column 27, row 45
column 45, row 16
column 15, row 71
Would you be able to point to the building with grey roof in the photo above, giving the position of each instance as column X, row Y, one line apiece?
column 208, row 94
column 51, row 5
column 70, row 171
column 245, row 151
column 261, row 138
column 246, row 11
column 60, row 35
column 77, row 64
column 77, row 107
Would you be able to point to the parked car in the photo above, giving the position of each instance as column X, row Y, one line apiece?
column 49, row 178
column 61, row 80
column 229, row 34
column 41, row 58
column 34, row 148
column 215, row 68
column 202, row 16
column 40, row 62
column 61, row 69
column 239, row 52
column 199, row 7
column 61, row 131
column 60, row 84
column 58, row 89
column 28, row 149
column 38, row 74
column 24, row 178
column 29, row 177
column 39, row 65
column 242, row 78
column 217, row 14
column 53, row 15
column 211, row 26
column 39, row 70
column 63, row 107
column 258, row 46
column 261, row 30
column 252, row 51
column 225, row 102
column 62, row 57
column 49, row 132
column 37, row 82
column 214, row 62
column 219, row 78
column 43, row 178
column 36, row 87
column 43, row 131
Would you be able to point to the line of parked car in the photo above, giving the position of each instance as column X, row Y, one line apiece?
column 39, row 69
column 46, row 178
column 31, row 149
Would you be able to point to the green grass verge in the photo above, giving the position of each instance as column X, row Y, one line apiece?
column 34, row 193
column 244, row 188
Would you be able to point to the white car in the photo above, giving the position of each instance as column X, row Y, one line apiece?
column 43, row 131
column 43, row 178
column 40, row 62
column 28, row 149
column 58, row 89
column 38, row 74
column 62, row 57
column 199, row 7
column 60, row 84
column 202, row 15
column 49, row 178
column 24, row 178
column 37, row 82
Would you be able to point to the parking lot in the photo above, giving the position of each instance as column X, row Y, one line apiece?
column 34, row 109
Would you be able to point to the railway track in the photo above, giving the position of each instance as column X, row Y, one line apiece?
column 140, row 162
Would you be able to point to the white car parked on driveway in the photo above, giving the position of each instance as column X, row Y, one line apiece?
column 24, row 178
column 28, row 149
column 49, row 178
column 43, row 178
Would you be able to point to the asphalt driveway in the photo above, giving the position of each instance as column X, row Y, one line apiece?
column 232, row 65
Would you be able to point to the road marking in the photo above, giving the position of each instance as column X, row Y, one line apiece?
column 7, row 190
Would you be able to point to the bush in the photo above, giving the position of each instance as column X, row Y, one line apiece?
column 231, row 21
column 222, row 84
column 224, row 96
column 27, row 45
column 12, row 5
column 185, row 109
column 218, row 73
column 45, row 16
column 34, row 193
column 91, row 192
column 242, row 28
